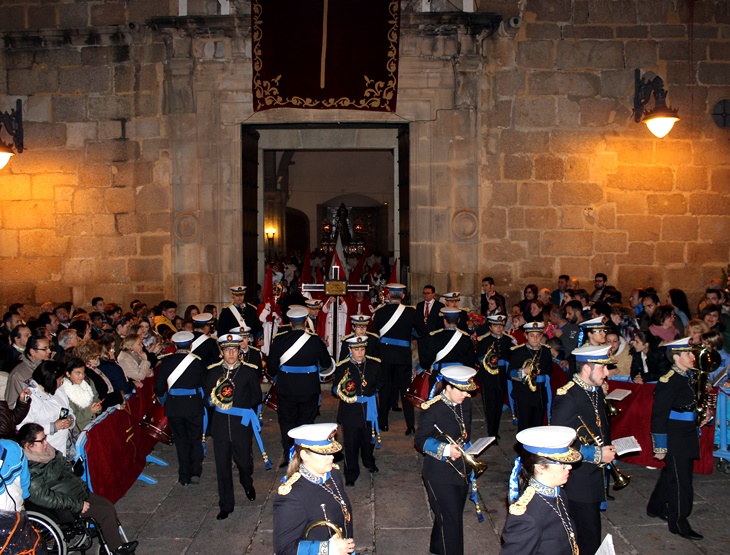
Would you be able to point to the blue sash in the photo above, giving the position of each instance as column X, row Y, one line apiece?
column 395, row 342
column 299, row 369
column 688, row 416
column 249, row 417
column 371, row 414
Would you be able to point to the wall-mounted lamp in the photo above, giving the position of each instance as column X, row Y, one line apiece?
column 13, row 123
column 270, row 234
column 662, row 118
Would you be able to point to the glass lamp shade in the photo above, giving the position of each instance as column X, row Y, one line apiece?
column 4, row 157
column 660, row 125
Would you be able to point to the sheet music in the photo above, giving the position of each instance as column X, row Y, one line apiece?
column 606, row 547
column 618, row 394
column 625, row 445
column 479, row 445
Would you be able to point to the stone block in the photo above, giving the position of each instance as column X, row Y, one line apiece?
column 144, row 269
column 153, row 245
column 509, row 83
column 536, row 54
column 719, row 50
column 501, row 116
column 549, row 168
column 52, row 290
column 563, row 83
column 41, row 243
column 708, row 203
column 522, row 142
column 68, row 108
column 632, row 32
column 72, row 224
column 691, row 178
column 493, row 223
column 575, row 142
column 679, row 73
column 615, row 12
column 147, row 105
column 673, row 153
column 31, row 270
column 111, row 270
column 679, row 228
column 590, row 54
column 708, row 253
column 107, row 14
column 550, row 10
column 78, row 271
column 118, row 246
column 129, row 223
column 642, row 53
column 673, row 203
column 14, row 186
column 110, row 107
column 707, row 154
column 534, row 112
column 66, row 56
column 572, row 243
column 44, row 135
column 598, row 112
column 102, row 224
column 516, row 218
column 88, row 200
column 631, row 275
column 517, row 167
column 82, row 246
column 587, row 32
column 32, row 81
column 74, row 15
column 541, row 218
column 571, row 217
column 631, row 151
column 13, row 18
column 639, row 251
column 536, row 267
column 720, row 182
column 105, row 55
column 143, row 128
column 568, row 112
column 577, row 169
column 714, row 228
column 119, row 200
column 605, row 215
column 9, row 246
column 617, row 83
column 611, row 241
column 677, row 50
column 119, row 150
column 669, row 253
column 668, row 31
column 575, row 193
column 95, row 175
column 124, row 78
column 84, row 80
column 42, row 188
column 38, row 108
column 110, row 130
column 529, row 238
column 27, row 214
column 77, row 134
column 533, row 194
column 642, row 178
column 537, row 31
column 152, row 198
column 578, row 266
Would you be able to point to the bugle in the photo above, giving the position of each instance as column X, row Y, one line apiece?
column 620, row 481
column 336, row 530
column 477, row 467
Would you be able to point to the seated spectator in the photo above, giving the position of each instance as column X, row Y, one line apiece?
column 649, row 361
column 82, row 328
column 678, row 299
column 67, row 340
column 10, row 418
column 97, row 324
column 37, row 350
column 694, row 330
column 109, row 367
column 623, row 320
column 14, row 477
column 662, row 324
column 191, row 311
column 712, row 316
column 619, row 351
column 89, row 352
column 529, row 294
column 533, row 313
column 112, row 311
column 713, row 340
column 81, row 393
column 121, row 330
column 54, row 485
column 50, row 407
column 133, row 359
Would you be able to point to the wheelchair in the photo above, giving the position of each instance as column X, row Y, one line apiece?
column 63, row 532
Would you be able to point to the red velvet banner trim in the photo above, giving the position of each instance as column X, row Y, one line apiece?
column 325, row 54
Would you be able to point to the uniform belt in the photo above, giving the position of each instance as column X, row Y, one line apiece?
column 182, row 392
column 683, row 416
column 299, row 369
column 540, row 379
column 249, row 416
column 395, row 342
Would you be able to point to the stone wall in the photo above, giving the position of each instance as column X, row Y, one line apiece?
column 525, row 161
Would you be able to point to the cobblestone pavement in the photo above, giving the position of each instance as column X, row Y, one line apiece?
column 390, row 508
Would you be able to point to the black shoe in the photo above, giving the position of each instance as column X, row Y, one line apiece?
column 184, row 483
column 223, row 515
column 690, row 535
column 373, row 469
column 397, row 409
column 251, row 493
column 652, row 515
column 384, row 428
column 126, row 548
column 350, row 483
column 410, row 430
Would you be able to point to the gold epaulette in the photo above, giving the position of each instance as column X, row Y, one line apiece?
column 464, row 332
column 348, row 336
column 250, row 365
column 216, row 364
column 281, row 333
column 375, row 335
column 427, row 404
column 434, row 332
column 563, row 390
column 229, row 304
column 343, row 361
column 252, row 306
column 665, row 377
column 516, row 347
column 373, row 358
column 335, row 466
column 285, row 488
column 379, row 307
column 160, row 357
column 254, row 348
column 311, row 333
column 481, row 337
column 520, row 506
column 464, row 309
column 193, row 354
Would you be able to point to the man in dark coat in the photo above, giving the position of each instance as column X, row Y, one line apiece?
column 239, row 313
column 528, row 366
column 430, row 308
column 180, row 381
column 580, row 404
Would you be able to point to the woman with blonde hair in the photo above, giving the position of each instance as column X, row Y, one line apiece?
column 133, row 359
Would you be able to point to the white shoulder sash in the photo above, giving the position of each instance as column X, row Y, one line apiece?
column 393, row 319
column 294, row 349
column 448, row 347
column 198, row 342
column 184, row 363
column 237, row 315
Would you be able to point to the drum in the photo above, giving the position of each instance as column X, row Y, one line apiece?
column 270, row 399
column 155, row 423
column 418, row 391
column 328, row 374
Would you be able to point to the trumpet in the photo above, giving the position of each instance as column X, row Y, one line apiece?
column 611, row 409
column 477, row 467
column 708, row 360
column 530, row 369
column 336, row 530
column 619, row 480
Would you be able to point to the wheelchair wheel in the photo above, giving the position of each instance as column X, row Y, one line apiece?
column 52, row 541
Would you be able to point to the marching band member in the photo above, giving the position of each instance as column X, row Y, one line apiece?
column 234, row 390
column 313, row 495
column 583, row 398
column 180, row 382
column 538, row 522
column 493, row 352
column 357, row 381
column 528, row 366
column 444, row 467
column 676, row 441
column 295, row 359
column 204, row 345
column 447, row 346
column 451, row 300
column 239, row 313
column 359, row 323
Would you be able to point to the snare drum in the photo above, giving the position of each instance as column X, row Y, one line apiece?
column 270, row 399
column 418, row 391
column 155, row 423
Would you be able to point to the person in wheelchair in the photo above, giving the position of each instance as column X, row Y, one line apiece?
column 53, row 485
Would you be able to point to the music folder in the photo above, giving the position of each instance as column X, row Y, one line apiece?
column 479, row 445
